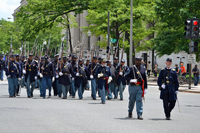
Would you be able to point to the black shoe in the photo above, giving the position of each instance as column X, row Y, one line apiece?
column 121, row 99
column 115, row 97
column 49, row 94
column 103, row 103
column 140, row 118
column 43, row 97
column 94, row 99
column 64, row 98
column 109, row 98
column 73, row 96
column 29, row 96
column 59, row 96
column 80, row 98
column 168, row 118
column 11, row 96
column 55, row 94
column 130, row 115
column 40, row 95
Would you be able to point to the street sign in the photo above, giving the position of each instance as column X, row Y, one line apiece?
column 191, row 58
column 113, row 40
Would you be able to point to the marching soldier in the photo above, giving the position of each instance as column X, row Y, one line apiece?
column 55, row 83
column 2, row 67
column 39, row 77
column 65, row 73
column 87, row 65
column 137, row 81
column 82, row 75
column 13, row 72
column 121, row 81
column 104, row 78
column 73, row 63
column 47, row 72
column 112, row 83
column 19, row 79
column 92, row 68
column 30, row 71
column 37, row 80
column 23, row 65
column 115, row 64
column 168, row 84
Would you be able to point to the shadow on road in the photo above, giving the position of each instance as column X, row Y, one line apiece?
column 126, row 118
column 157, row 119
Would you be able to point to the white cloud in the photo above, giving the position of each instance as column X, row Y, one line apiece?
column 7, row 8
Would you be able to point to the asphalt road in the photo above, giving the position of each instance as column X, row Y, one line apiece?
column 55, row 115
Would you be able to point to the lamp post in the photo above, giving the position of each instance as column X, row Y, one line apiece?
column 131, row 36
column 89, row 34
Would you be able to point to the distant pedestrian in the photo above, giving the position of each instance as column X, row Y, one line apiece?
column 177, row 69
column 183, row 70
column 149, row 69
column 155, row 72
column 195, row 72
column 2, row 67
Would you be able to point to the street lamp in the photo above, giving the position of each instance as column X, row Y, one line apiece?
column 89, row 34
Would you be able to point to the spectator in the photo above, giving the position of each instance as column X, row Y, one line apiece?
column 155, row 72
column 177, row 69
column 149, row 69
column 183, row 70
column 195, row 72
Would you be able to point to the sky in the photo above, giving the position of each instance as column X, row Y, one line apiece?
column 7, row 8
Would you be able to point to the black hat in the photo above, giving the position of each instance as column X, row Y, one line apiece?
column 74, row 57
column 31, row 54
column 56, row 55
column 59, row 59
column 69, row 55
column 116, row 58
column 80, row 60
column 23, row 56
column 123, row 61
column 109, row 62
column 13, row 55
column 138, row 58
column 46, row 57
column 36, row 56
column 17, row 55
column 64, row 57
column 94, row 57
column 169, row 59
column 100, row 59
column 88, row 60
column 42, row 58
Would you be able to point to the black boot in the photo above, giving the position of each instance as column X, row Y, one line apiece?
column 130, row 115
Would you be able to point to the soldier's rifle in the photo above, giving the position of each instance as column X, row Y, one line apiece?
column 117, row 48
column 122, row 53
column 10, row 52
column 61, row 63
column 47, row 52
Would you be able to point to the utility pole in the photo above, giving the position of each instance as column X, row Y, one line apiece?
column 131, row 35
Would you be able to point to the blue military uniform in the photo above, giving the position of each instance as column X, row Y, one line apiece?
column 65, row 78
column 30, row 76
column 13, row 72
column 121, row 81
column 136, row 78
column 168, row 83
column 103, row 81
column 55, row 83
column 47, row 70
column 73, row 76
column 92, row 70
column 81, row 79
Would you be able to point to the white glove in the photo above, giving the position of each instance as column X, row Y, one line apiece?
column 177, row 92
column 35, row 77
column 133, row 81
column 24, row 71
column 72, row 79
column 41, row 76
column 42, row 68
column 60, row 74
column 100, row 75
column 109, row 79
column 91, row 76
column 19, row 79
column 121, row 73
column 163, row 86
column 77, row 74
column 57, row 76
column 8, row 76
column 53, row 79
column 145, row 91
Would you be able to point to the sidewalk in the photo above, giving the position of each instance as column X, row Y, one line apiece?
column 182, row 88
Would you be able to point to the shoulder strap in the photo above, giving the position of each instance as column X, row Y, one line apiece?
column 138, row 72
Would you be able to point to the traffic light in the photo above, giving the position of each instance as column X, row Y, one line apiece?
column 195, row 28
column 188, row 27
column 107, row 49
column 193, row 47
